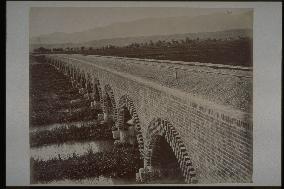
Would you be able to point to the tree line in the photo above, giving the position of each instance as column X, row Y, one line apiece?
column 231, row 51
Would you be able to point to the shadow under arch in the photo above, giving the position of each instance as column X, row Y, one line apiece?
column 88, row 84
column 97, row 90
column 109, row 105
column 82, row 78
column 159, row 130
column 126, row 105
column 77, row 74
column 69, row 70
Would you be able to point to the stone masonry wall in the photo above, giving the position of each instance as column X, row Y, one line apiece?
column 219, row 142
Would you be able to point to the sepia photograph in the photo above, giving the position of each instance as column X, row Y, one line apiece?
column 130, row 95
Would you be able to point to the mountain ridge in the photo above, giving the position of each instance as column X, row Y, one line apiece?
column 123, row 41
column 152, row 26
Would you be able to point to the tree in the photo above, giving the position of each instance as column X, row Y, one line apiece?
column 151, row 43
column 159, row 43
column 187, row 40
column 182, row 41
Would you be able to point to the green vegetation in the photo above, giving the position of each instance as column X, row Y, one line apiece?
column 122, row 162
column 228, row 51
column 72, row 133
column 51, row 93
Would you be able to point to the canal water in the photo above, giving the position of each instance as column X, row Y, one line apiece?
column 56, row 84
column 68, row 149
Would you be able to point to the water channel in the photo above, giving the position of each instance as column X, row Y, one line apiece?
column 68, row 149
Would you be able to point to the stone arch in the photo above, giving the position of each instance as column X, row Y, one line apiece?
column 97, row 89
column 126, row 102
column 65, row 69
column 163, row 128
column 68, row 70
column 57, row 63
column 78, row 78
column 77, row 74
column 83, row 78
column 72, row 71
column 88, row 84
column 109, row 101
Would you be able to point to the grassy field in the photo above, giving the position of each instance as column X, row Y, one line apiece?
column 234, row 52
column 237, row 52
column 50, row 96
column 72, row 133
column 121, row 162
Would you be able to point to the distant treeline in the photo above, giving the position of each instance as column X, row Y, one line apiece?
column 217, row 51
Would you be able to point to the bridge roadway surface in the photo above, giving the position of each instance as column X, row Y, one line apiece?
column 230, row 86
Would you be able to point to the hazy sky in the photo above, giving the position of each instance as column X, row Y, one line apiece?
column 74, row 19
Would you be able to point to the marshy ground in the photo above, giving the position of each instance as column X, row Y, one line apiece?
column 59, row 152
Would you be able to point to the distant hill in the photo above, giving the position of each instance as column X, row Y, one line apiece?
column 204, row 35
column 153, row 26
column 234, row 34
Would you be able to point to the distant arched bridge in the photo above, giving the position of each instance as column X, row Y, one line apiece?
column 202, row 111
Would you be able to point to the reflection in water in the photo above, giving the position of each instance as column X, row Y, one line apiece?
column 67, row 149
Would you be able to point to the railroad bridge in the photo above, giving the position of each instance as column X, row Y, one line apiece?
column 202, row 111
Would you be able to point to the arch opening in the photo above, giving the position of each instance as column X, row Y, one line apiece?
column 96, row 99
column 166, row 155
column 96, row 93
column 89, row 87
column 129, row 135
column 165, row 163
column 108, row 109
column 127, row 127
column 128, row 124
column 109, row 105
column 88, row 84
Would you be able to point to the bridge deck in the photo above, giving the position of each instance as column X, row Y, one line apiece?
column 229, row 86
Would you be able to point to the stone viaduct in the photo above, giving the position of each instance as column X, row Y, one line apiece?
column 212, row 142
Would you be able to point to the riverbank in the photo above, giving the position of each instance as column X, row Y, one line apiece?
column 61, row 135
column 67, row 141
column 51, row 94
column 121, row 162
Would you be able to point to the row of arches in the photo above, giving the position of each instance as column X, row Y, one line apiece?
column 164, row 149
